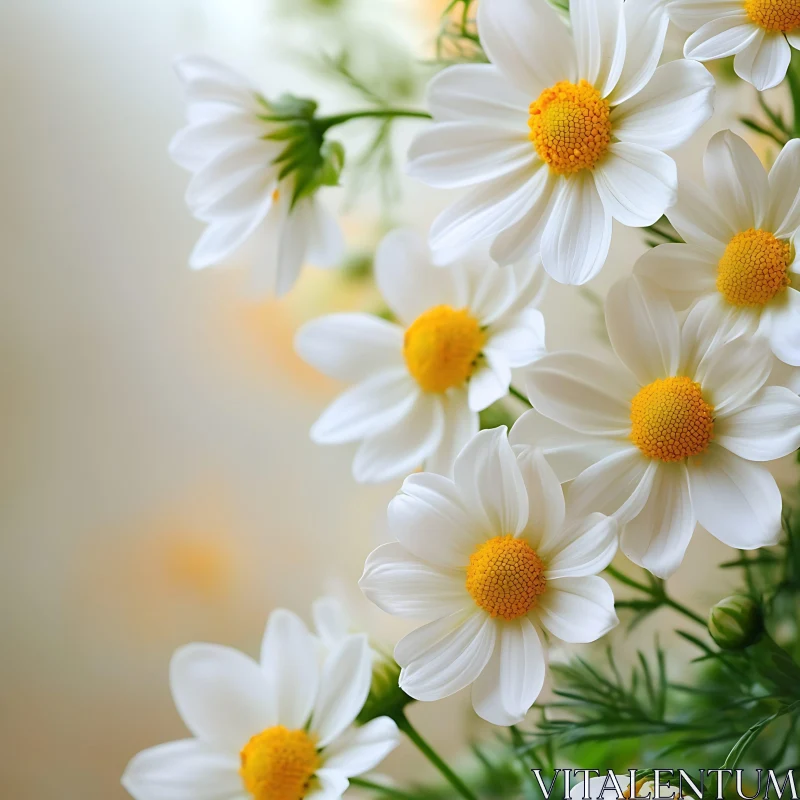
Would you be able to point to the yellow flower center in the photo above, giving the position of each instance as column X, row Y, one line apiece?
column 505, row 577
column 754, row 268
column 670, row 419
column 441, row 347
column 570, row 126
column 278, row 764
column 774, row 15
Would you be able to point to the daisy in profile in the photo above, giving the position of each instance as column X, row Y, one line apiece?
column 421, row 381
column 740, row 259
column 760, row 33
column 278, row 730
column 562, row 132
column 490, row 561
column 670, row 436
column 236, row 188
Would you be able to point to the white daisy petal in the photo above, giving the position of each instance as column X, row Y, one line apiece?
column 328, row 784
column 683, row 271
column 636, row 184
column 402, row 448
column 297, row 232
column 210, row 81
column 765, row 61
column 733, row 373
column 567, row 452
column 361, row 749
column 487, row 210
column 710, row 323
column 490, row 483
column 488, row 292
column 692, row 14
column 737, row 180
column 350, row 347
column 196, row 145
column 670, row 109
column 330, row 620
column 784, row 189
column 430, row 519
column 221, row 240
column 450, row 155
column 487, row 386
column 442, row 657
column 721, row 37
column 477, row 92
column 221, row 695
column 229, row 168
column 619, row 485
column 545, row 501
column 577, row 610
column 343, row 690
column 643, row 329
column 785, row 333
column 658, row 536
column 514, row 676
column 183, row 770
column 408, row 281
column 520, row 339
column 768, row 427
column 735, row 500
column 528, row 42
column 290, row 666
column 598, row 27
column 522, row 240
column 403, row 585
column 575, row 253
column 326, row 245
column 586, row 547
column 586, row 395
column 368, row 408
column 646, row 23
column 461, row 424
column 696, row 219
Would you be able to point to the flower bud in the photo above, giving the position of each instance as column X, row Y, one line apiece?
column 736, row 622
column 386, row 698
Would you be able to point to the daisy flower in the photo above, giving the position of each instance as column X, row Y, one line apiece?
column 740, row 258
column 670, row 436
column 562, row 132
column 421, row 383
column 760, row 33
column 490, row 559
column 236, row 188
column 278, row 730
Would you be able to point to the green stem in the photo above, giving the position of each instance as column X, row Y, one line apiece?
column 687, row 612
column 386, row 791
column 409, row 730
column 521, row 397
column 660, row 596
column 325, row 123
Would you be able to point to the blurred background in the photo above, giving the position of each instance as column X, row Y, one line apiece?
column 158, row 485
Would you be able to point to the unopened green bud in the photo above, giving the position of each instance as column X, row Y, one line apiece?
column 386, row 698
column 736, row 622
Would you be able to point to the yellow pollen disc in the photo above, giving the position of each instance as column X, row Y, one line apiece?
column 754, row 268
column 505, row 577
column 441, row 347
column 276, row 195
column 774, row 15
column 670, row 420
column 278, row 764
column 570, row 126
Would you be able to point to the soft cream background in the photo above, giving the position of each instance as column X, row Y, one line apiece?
column 158, row 484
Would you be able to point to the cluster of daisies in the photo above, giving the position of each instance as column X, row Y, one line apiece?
column 500, row 535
